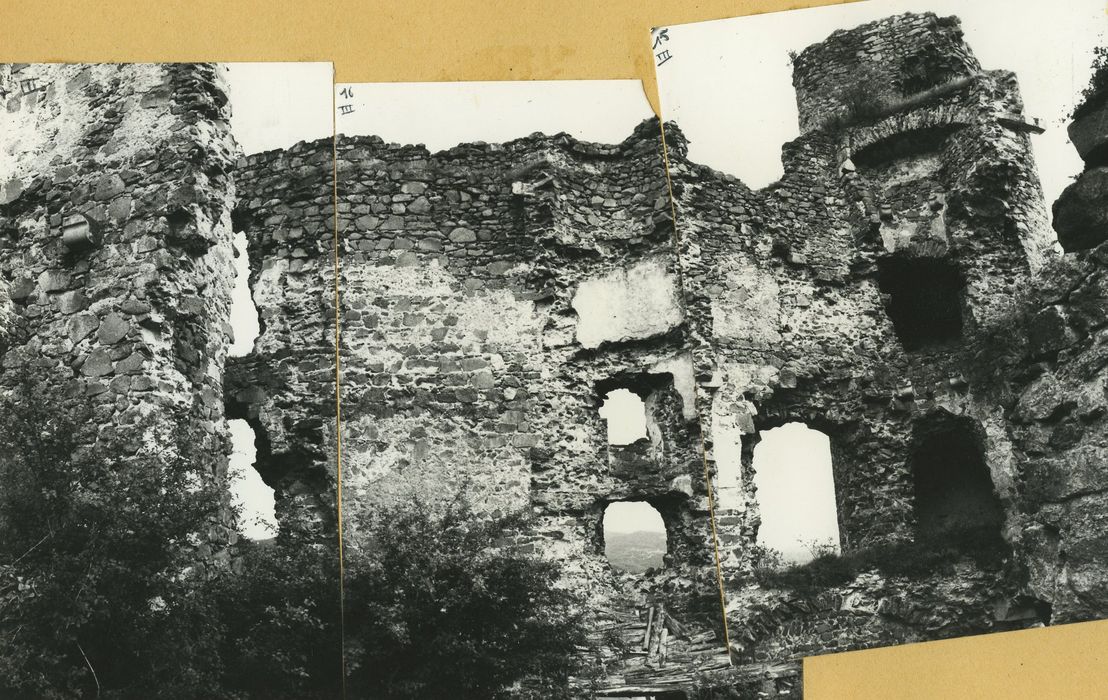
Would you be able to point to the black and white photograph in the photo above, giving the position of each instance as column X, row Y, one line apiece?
column 316, row 389
column 891, row 254
column 167, row 524
column 520, row 436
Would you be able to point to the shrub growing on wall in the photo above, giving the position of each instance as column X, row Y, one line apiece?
column 441, row 604
column 98, row 595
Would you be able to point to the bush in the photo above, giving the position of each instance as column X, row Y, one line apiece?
column 442, row 605
column 282, row 620
column 101, row 595
column 1096, row 92
column 95, row 596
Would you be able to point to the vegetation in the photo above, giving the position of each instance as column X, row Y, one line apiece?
column 96, row 595
column 1096, row 92
column 281, row 622
column 102, row 594
column 442, row 605
column 864, row 103
column 926, row 555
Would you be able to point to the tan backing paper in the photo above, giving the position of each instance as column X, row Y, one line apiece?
column 398, row 40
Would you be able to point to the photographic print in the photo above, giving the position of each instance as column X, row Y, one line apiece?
column 521, row 446
column 480, row 390
column 150, row 547
column 895, row 294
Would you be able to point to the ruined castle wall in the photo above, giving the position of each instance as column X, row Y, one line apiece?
column 796, row 298
column 131, row 164
column 285, row 387
column 1059, row 420
column 492, row 295
column 887, row 59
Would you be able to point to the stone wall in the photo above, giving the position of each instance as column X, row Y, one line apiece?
column 805, row 301
column 115, row 247
column 1059, row 420
column 285, row 387
column 492, row 294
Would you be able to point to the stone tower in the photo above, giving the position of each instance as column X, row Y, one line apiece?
column 115, row 246
column 871, row 294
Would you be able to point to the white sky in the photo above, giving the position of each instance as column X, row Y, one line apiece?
column 728, row 84
column 443, row 115
column 247, row 488
column 275, row 105
column 625, row 414
column 796, row 490
column 632, row 516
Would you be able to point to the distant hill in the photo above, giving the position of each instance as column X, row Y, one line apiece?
column 635, row 552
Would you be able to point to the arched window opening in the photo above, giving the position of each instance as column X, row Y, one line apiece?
column 625, row 413
column 634, row 537
column 955, row 499
column 796, row 493
column 924, row 303
column 257, row 516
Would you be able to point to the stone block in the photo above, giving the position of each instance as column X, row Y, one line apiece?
column 1081, row 212
column 1090, row 131
column 113, row 328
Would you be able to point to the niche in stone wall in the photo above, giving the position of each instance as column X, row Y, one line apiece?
column 795, row 487
column 635, row 538
column 912, row 145
column 904, row 189
column 642, row 417
column 923, row 299
column 955, row 501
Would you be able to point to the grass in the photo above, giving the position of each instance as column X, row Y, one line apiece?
column 921, row 558
column 864, row 105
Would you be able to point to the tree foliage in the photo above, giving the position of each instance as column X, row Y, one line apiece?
column 109, row 587
column 442, row 604
column 1096, row 92
column 97, row 597
column 281, row 615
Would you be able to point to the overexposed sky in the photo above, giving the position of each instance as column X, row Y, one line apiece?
column 796, row 491
column 632, row 516
column 443, row 115
column 258, row 521
column 275, row 105
column 729, row 87
column 625, row 414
